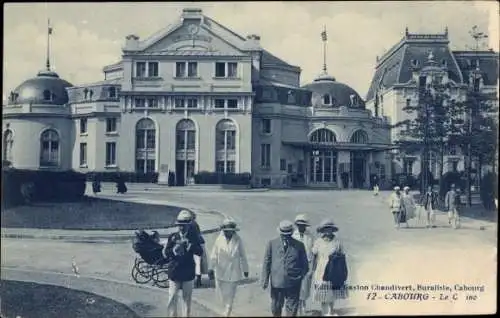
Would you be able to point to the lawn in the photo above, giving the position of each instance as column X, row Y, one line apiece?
column 31, row 300
column 90, row 214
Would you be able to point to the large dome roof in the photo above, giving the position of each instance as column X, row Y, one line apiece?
column 46, row 88
column 339, row 94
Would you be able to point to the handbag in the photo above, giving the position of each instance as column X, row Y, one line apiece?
column 336, row 271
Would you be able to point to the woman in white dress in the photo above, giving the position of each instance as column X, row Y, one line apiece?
column 302, row 234
column 229, row 264
column 409, row 205
column 324, row 247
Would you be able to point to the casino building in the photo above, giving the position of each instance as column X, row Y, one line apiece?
column 198, row 97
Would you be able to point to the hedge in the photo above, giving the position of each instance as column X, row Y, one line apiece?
column 131, row 177
column 24, row 186
column 489, row 190
column 205, row 177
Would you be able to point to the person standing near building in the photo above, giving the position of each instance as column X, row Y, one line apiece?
column 285, row 265
column 330, row 268
column 429, row 202
column 229, row 262
column 179, row 250
column 396, row 206
column 302, row 234
column 408, row 204
column 451, row 202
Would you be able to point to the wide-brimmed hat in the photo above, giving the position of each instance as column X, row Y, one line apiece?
column 406, row 188
column 184, row 217
column 285, row 228
column 229, row 225
column 302, row 219
column 396, row 188
column 327, row 224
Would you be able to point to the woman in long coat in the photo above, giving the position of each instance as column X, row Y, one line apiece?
column 302, row 234
column 327, row 289
column 229, row 262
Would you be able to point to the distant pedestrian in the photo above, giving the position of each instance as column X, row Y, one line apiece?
column 229, row 264
column 200, row 261
column 96, row 185
column 330, row 268
column 303, row 235
column 180, row 250
column 285, row 265
column 451, row 202
column 396, row 206
column 429, row 202
column 408, row 204
column 120, row 185
column 375, row 189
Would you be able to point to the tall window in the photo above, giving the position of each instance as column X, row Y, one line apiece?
column 83, row 154
column 145, row 145
column 152, row 102
column 111, row 154
column 185, row 135
column 140, row 69
column 49, row 144
column 327, row 100
column 140, row 102
column 8, row 140
column 47, row 96
column 112, row 92
column 83, row 125
column 265, row 155
column 225, row 146
column 266, row 126
column 153, row 69
column 359, row 137
column 149, row 69
column 111, row 124
column 228, row 70
column 323, row 135
column 186, row 69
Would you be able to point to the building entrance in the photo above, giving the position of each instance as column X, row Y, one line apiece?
column 358, row 169
column 184, row 171
column 323, row 166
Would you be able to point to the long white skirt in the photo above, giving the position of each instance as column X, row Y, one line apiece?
column 226, row 291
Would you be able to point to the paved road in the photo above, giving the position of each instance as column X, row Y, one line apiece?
column 377, row 253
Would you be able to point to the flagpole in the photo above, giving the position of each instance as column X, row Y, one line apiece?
column 324, row 50
column 47, row 64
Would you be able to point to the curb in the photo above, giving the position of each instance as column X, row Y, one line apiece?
column 204, row 304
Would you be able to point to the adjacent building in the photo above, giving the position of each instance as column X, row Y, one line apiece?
column 398, row 75
column 196, row 97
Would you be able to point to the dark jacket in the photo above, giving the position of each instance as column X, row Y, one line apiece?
column 181, row 268
column 433, row 197
column 336, row 270
column 284, row 269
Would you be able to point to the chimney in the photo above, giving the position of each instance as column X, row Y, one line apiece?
column 131, row 42
column 252, row 42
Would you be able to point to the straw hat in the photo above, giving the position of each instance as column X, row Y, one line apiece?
column 302, row 219
column 406, row 188
column 229, row 225
column 327, row 224
column 285, row 227
column 184, row 217
column 396, row 188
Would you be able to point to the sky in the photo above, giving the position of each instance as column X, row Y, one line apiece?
column 88, row 36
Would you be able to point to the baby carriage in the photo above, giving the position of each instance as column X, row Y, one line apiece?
column 151, row 265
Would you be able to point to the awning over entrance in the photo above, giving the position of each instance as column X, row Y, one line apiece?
column 340, row 146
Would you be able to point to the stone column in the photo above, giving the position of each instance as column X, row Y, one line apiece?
column 367, row 174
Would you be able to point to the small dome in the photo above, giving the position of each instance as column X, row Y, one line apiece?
column 327, row 91
column 46, row 88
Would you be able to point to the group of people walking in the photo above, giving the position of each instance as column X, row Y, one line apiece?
column 295, row 265
column 404, row 207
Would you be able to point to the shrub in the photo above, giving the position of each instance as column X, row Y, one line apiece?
column 25, row 186
column 489, row 190
column 205, row 177
column 448, row 179
column 131, row 177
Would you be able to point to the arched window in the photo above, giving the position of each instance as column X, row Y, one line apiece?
column 49, row 144
column 323, row 135
column 225, row 146
column 145, row 145
column 185, row 135
column 359, row 137
column 47, row 95
column 8, row 140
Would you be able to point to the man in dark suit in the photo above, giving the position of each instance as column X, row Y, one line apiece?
column 285, row 265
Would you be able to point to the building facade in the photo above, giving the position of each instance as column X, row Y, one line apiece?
column 198, row 97
column 396, row 82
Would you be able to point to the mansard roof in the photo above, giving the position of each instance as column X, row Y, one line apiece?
column 396, row 66
column 488, row 64
column 268, row 59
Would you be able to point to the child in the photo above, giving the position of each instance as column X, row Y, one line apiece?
column 375, row 189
